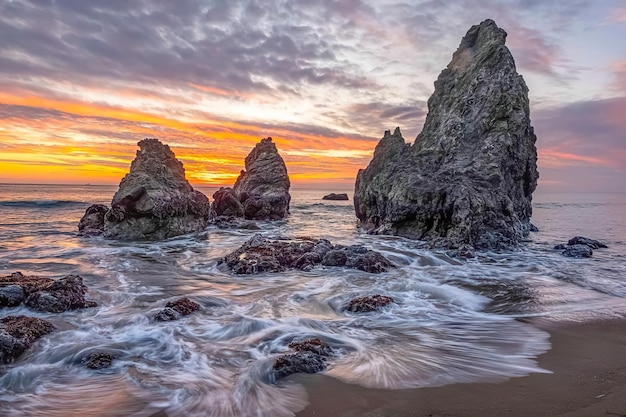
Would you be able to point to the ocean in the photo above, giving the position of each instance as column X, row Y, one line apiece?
column 454, row 320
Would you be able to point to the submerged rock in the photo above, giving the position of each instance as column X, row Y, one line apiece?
column 338, row 197
column 260, row 254
column 580, row 247
column 18, row 333
column 470, row 175
column 99, row 360
column 263, row 187
column 174, row 310
column 369, row 303
column 155, row 201
column 310, row 357
column 92, row 222
column 44, row 294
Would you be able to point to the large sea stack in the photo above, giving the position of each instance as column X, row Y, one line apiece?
column 262, row 190
column 155, row 201
column 469, row 177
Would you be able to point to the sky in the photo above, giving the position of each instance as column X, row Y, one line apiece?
column 82, row 81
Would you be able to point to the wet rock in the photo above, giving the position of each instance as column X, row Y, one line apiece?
column 92, row 222
column 68, row 293
column 337, row 197
column 263, row 187
column 533, row 228
column 226, row 203
column 578, row 251
column 369, row 303
column 174, row 310
column 44, row 294
column 11, row 296
column 470, row 175
column 260, row 254
column 579, row 240
column 18, row 333
column 310, row 357
column 155, row 201
column 99, row 360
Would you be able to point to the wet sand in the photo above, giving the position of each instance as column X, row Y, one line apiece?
column 588, row 362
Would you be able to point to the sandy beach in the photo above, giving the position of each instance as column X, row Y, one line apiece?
column 588, row 379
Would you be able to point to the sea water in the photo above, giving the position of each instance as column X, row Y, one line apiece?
column 453, row 321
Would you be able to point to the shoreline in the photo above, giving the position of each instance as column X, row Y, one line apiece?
column 588, row 379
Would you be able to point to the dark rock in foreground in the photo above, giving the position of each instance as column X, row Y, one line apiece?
column 92, row 222
column 174, row 310
column 338, row 197
column 310, row 357
column 99, row 360
column 226, row 203
column 18, row 333
column 155, row 201
column 44, row 294
column 263, row 187
column 578, row 251
column 369, row 303
column 260, row 254
column 470, row 175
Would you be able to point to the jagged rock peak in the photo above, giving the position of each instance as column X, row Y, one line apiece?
column 155, row 201
column 263, row 187
column 469, row 176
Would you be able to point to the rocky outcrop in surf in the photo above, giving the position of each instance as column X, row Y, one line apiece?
column 310, row 356
column 336, row 197
column 369, row 303
column 18, row 333
column 175, row 310
column 261, row 191
column 580, row 247
column 260, row 254
column 92, row 222
column 44, row 294
column 154, row 201
column 470, row 175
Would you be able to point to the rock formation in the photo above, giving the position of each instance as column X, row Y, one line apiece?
column 263, row 255
column 338, row 197
column 262, row 190
column 44, row 294
column 18, row 333
column 470, row 175
column 310, row 357
column 580, row 247
column 92, row 222
column 369, row 303
column 174, row 310
column 155, row 201
column 98, row 360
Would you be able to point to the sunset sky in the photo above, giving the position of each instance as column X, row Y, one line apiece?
column 81, row 82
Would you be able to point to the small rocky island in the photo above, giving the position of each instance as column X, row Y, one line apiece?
column 336, row 197
column 155, row 201
column 262, row 190
column 469, row 177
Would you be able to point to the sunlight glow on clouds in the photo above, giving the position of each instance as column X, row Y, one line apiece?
column 82, row 82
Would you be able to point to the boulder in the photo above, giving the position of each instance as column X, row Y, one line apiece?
column 44, row 294
column 338, row 197
column 263, row 187
column 578, row 251
column 368, row 303
column 470, row 174
column 579, row 240
column 174, row 310
column 92, row 222
column 310, row 357
column 18, row 333
column 155, row 201
column 260, row 254
column 226, row 203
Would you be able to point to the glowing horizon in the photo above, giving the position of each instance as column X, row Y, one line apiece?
column 80, row 85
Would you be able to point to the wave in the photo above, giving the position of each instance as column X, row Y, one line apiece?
column 41, row 203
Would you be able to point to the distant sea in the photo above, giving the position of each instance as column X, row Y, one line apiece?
column 454, row 321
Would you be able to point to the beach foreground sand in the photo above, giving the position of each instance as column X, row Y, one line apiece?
column 588, row 362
